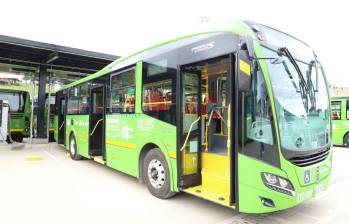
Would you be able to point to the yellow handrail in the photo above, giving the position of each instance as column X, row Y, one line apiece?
column 61, row 126
column 94, row 129
column 191, row 127
column 158, row 102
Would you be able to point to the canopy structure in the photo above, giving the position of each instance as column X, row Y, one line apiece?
column 43, row 60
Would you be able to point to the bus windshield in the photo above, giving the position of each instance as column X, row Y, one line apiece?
column 14, row 99
column 301, row 101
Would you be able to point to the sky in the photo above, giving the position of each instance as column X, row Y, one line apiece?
column 123, row 27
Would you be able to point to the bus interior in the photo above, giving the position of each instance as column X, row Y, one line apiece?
column 206, row 129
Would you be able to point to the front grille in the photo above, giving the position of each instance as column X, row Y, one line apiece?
column 310, row 159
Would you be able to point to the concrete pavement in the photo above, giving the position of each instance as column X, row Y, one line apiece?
column 54, row 189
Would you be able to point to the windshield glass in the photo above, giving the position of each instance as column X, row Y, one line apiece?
column 15, row 100
column 302, row 108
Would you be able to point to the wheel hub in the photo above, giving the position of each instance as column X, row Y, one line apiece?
column 72, row 147
column 156, row 173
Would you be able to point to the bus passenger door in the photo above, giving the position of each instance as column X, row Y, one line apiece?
column 189, row 128
column 96, row 126
column 61, row 118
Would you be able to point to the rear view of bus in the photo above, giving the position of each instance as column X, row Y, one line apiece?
column 19, row 111
column 285, row 152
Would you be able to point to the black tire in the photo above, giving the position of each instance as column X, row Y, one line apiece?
column 17, row 138
column 158, row 179
column 73, row 148
column 51, row 137
column 346, row 140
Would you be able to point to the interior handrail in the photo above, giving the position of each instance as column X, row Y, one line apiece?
column 61, row 126
column 218, row 113
column 94, row 129
column 191, row 127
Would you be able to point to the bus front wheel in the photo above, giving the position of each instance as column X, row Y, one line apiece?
column 73, row 149
column 156, row 174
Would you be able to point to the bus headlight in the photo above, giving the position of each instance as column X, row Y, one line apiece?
column 278, row 183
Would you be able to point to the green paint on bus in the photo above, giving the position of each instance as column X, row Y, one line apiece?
column 340, row 120
column 238, row 114
column 19, row 111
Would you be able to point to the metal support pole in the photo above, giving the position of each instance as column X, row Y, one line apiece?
column 41, row 102
column 48, row 108
column 32, row 108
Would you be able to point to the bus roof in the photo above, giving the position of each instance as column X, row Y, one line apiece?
column 12, row 90
column 235, row 26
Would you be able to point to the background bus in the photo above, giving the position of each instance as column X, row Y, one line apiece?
column 19, row 112
column 340, row 120
column 238, row 116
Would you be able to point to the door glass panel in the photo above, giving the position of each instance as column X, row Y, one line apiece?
column 191, row 121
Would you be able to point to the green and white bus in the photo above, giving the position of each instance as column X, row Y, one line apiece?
column 19, row 112
column 340, row 120
column 238, row 115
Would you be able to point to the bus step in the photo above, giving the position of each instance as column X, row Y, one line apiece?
column 216, row 197
column 99, row 159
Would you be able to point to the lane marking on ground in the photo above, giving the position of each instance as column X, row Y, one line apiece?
column 57, row 160
column 33, row 158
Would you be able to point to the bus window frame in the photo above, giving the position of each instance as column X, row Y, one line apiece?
column 118, row 72
column 69, row 99
column 88, row 89
column 346, row 101
column 146, row 79
column 340, row 109
column 79, row 89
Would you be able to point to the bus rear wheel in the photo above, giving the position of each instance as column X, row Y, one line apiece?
column 156, row 174
column 73, row 148
column 346, row 140
column 17, row 138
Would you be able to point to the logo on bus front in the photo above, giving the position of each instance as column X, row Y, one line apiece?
column 306, row 176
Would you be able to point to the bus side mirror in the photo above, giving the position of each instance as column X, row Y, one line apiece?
column 244, row 66
column 249, row 45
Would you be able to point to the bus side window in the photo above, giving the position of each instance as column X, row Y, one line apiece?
column 336, row 110
column 73, row 101
column 84, row 99
column 158, row 90
column 123, row 88
column 347, row 109
column 258, row 140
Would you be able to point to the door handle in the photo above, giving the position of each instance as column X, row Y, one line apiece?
column 97, row 123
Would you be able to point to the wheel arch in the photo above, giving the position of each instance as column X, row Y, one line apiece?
column 344, row 136
column 144, row 150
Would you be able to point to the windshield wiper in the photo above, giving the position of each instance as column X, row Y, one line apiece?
column 289, row 74
column 311, row 85
column 294, row 63
column 304, row 88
